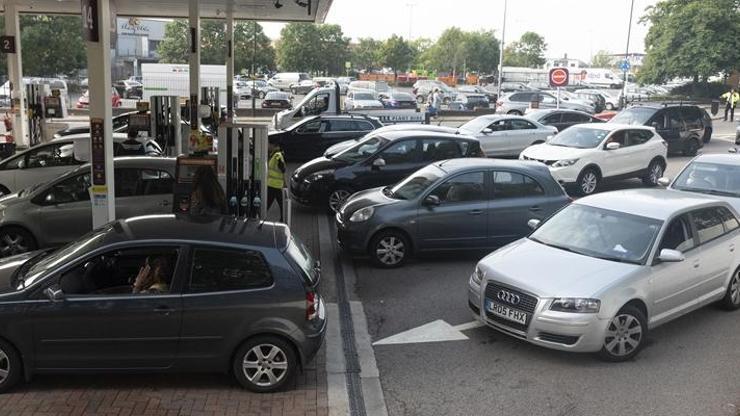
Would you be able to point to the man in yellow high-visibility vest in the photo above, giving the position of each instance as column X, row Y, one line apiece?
column 275, row 177
column 731, row 98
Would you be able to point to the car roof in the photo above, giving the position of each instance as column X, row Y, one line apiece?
column 613, row 126
column 416, row 127
column 461, row 164
column 719, row 158
column 221, row 229
column 659, row 204
column 405, row 134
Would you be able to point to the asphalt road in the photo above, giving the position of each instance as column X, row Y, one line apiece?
column 690, row 366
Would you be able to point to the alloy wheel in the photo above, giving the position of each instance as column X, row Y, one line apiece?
column 588, row 183
column 11, row 244
column 265, row 365
column 656, row 173
column 735, row 289
column 4, row 366
column 337, row 198
column 623, row 335
column 390, row 250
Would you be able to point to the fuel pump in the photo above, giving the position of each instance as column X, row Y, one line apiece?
column 35, row 94
column 166, row 123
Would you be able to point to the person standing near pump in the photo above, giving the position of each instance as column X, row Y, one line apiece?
column 731, row 97
column 132, row 146
column 207, row 198
column 275, row 177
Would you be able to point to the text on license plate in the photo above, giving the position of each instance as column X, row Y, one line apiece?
column 506, row 312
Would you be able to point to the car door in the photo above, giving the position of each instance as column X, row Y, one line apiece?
column 460, row 220
column 301, row 142
column 396, row 161
column 101, row 323
column 44, row 163
column 523, row 134
column 715, row 229
column 618, row 161
column 143, row 192
column 227, row 292
column 515, row 199
column 571, row 119
column 336, row 131
column 63, row 210
column 669, row 125
column 554, row 120
column 644, row 149
column 498, row 141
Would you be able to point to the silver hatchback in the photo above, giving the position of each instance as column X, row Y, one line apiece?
column 604, row 270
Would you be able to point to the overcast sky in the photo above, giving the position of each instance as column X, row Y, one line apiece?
column 579, row 28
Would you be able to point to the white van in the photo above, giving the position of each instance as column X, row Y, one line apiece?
column 601, row 77
column 283, row 80
column 174, row 79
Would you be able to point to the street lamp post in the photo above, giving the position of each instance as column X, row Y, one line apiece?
column 626, row 57
column 501, row 55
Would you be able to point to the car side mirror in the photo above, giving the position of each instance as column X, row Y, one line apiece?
column 54, row 294
column 431, row 201
column 732, row 150
column 655, row 125
column 670, row 256
column 50, row 198
column 612, row 146
column 534, row 223
column 487, row 131
column 22, row 164
column 664, row 181
column 379, row 162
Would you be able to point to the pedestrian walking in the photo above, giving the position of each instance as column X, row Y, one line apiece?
column 731, row 97
column 275, row 177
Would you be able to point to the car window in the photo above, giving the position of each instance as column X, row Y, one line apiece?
column 552, row 118
column 155, row 182
column 439, row 149
column 72, row 189
column 54, row 155
column 674, row 119
column 515, row 185
column 691, row 116
column 678, row 235
column 126, row 182
column 14, row 162
column 137, row 271
column 618, row 137
column 221, row 270
column 518, row 124
column 403, row 151
column 342, row 125
column 708, row 224
column 362, row 126
column 462, row 188
column 575, row 118
column 312, row 126
column 636, row 137
column 728, row 219
column 522, row 96
column 317, row 105
column 500, row 125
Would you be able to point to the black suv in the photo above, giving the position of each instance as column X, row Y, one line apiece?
column 379, row 160
column 685, row 127
column 310, row 137
column 164, row 293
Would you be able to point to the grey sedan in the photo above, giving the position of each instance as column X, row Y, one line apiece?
column 460, row 204
column 519, row 102
column 504, row 135
column 57, row 212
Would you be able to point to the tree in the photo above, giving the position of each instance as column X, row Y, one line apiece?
column 481, row 51
column 299, row 47
column 448, row 53
column 397, row 53
column 366, row 54
column 334, row 49
column 602, row 59
column 245, row 52
column 528, row 52
column 691, row 38
column 422, row 51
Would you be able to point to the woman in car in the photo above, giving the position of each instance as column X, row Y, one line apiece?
column 153, row 276
column 208, row 197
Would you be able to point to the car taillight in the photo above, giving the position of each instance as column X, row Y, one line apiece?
column 312, row 305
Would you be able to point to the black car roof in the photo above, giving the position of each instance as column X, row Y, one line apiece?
column 405, row 134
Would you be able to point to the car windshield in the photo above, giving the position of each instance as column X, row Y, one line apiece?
column 416, row 183
column 579, row 138
column 600, row 233
column 710, row 178
column 364, row 96
column 477, row 124
column 634, row 115
column 361, row 150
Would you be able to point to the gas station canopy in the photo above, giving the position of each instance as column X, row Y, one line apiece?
column 264, row 10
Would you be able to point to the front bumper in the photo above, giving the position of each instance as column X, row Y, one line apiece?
column 306, row 193
column 568, row 174
column 575, row 332
column 352, row 238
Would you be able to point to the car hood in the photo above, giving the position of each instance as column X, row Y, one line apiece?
column 73, row 130
column 549, row 152
column 363, row 199
column 551, row 272
column 8, row 266
column 317, row 165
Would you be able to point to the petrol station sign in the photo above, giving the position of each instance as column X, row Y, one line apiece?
column 559, row 77
column 90, row 26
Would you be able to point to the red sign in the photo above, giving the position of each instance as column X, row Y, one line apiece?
column 559, row 77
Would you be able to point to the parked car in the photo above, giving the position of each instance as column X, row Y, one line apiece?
column 611, row 101
column 242, row 91
column 47, row 161
column 399, row 100
column 48, row 214
column 717, row 175
column 344, row 84
column 598, row 100
column 515, row 86
column 129, row 89
column 243, row 302
column 310, row 137
column 84, row 100
column 469, row 102
column 303, row 87
column 259, row 88
column 423, row 88
column 120, row 125
column 375, row 161
column 571, row 98
column 502, row 136
column 361, row 100
column 459, row 204
column 477, row 89
column 607, row 269
column 586, row 155
column 518, row 103
column 277, row 99
column 561, row 119
column 737, row 133
column 379, row 88
column 686, row 127
column 339, row 147
column 283, row 80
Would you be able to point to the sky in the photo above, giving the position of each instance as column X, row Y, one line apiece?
column 579, row 28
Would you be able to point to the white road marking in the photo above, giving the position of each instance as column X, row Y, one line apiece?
column 435, row 331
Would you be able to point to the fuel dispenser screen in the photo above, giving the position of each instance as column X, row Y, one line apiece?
column 185, row 171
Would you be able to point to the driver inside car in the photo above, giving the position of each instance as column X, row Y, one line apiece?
column 152, row 277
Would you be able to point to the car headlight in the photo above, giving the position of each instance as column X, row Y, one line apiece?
column 565, row 162
column 478, row 275
column 317, row 176
column 362, row 215
column 576, row 305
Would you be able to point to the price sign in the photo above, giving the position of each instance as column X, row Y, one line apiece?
column 90, row 26
column 97, row 142
column 7, row 44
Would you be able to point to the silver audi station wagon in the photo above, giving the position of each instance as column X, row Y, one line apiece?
column 600, row 273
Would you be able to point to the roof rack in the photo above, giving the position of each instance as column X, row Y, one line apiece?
column 663, row 103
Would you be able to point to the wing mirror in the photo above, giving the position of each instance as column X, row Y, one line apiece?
column 22, row 164
column 670, row 256
column 730, row 150
column 54, row 294
column 487, row 131
column 379, row 162
column 50, row 198
column 534, row 223
column 655, row 125
column 612, row 146
column 664, row 181
column 431, row 201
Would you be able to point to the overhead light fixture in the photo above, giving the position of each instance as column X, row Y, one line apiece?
column 277, row 4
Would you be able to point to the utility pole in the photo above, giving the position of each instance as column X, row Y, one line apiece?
column 501, row 55
column 254, row 58
column 411, row 16
column 626, row 56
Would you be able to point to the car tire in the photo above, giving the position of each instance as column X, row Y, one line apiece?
column 337, row 197
column 654, row 172
column 731, row 301
column 514, row 113
column 261, row 95
column 389, row 249
column 11, row 366
column 265, row 364
column 420, row 99
column 16, row 240
column 446, row 101
column 4, row 191
column 587, row 182
column 707, row 135
column 610, row 106
column 692, row 147
column 625, row 335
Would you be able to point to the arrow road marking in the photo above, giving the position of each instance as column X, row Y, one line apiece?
column 435, row 331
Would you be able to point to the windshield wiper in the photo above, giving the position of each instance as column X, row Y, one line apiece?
column 617, row 259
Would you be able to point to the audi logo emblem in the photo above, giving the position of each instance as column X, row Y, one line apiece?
column 508, row 297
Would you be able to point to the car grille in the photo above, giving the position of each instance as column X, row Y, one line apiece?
column 526, row 304
column 558, row 339
column 546, row 162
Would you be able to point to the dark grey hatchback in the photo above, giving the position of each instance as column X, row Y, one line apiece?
column 164, row 293
column 458, row 204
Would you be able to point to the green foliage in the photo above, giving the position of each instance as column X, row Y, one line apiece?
column 334, row 50
column 602, row 59
column 366, row 54
column 698, row 90
column 528, row 51
column 448, row 53
column 313, row 48
column 397, row 53
column 691, row 38
column 481, row 51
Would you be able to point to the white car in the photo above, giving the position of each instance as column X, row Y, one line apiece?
column 717, row 175
column 605, row 270
column 504, row 135
column 362, row 100
column 585, row 155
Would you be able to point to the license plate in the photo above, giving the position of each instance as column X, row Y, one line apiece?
column 506, row 312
